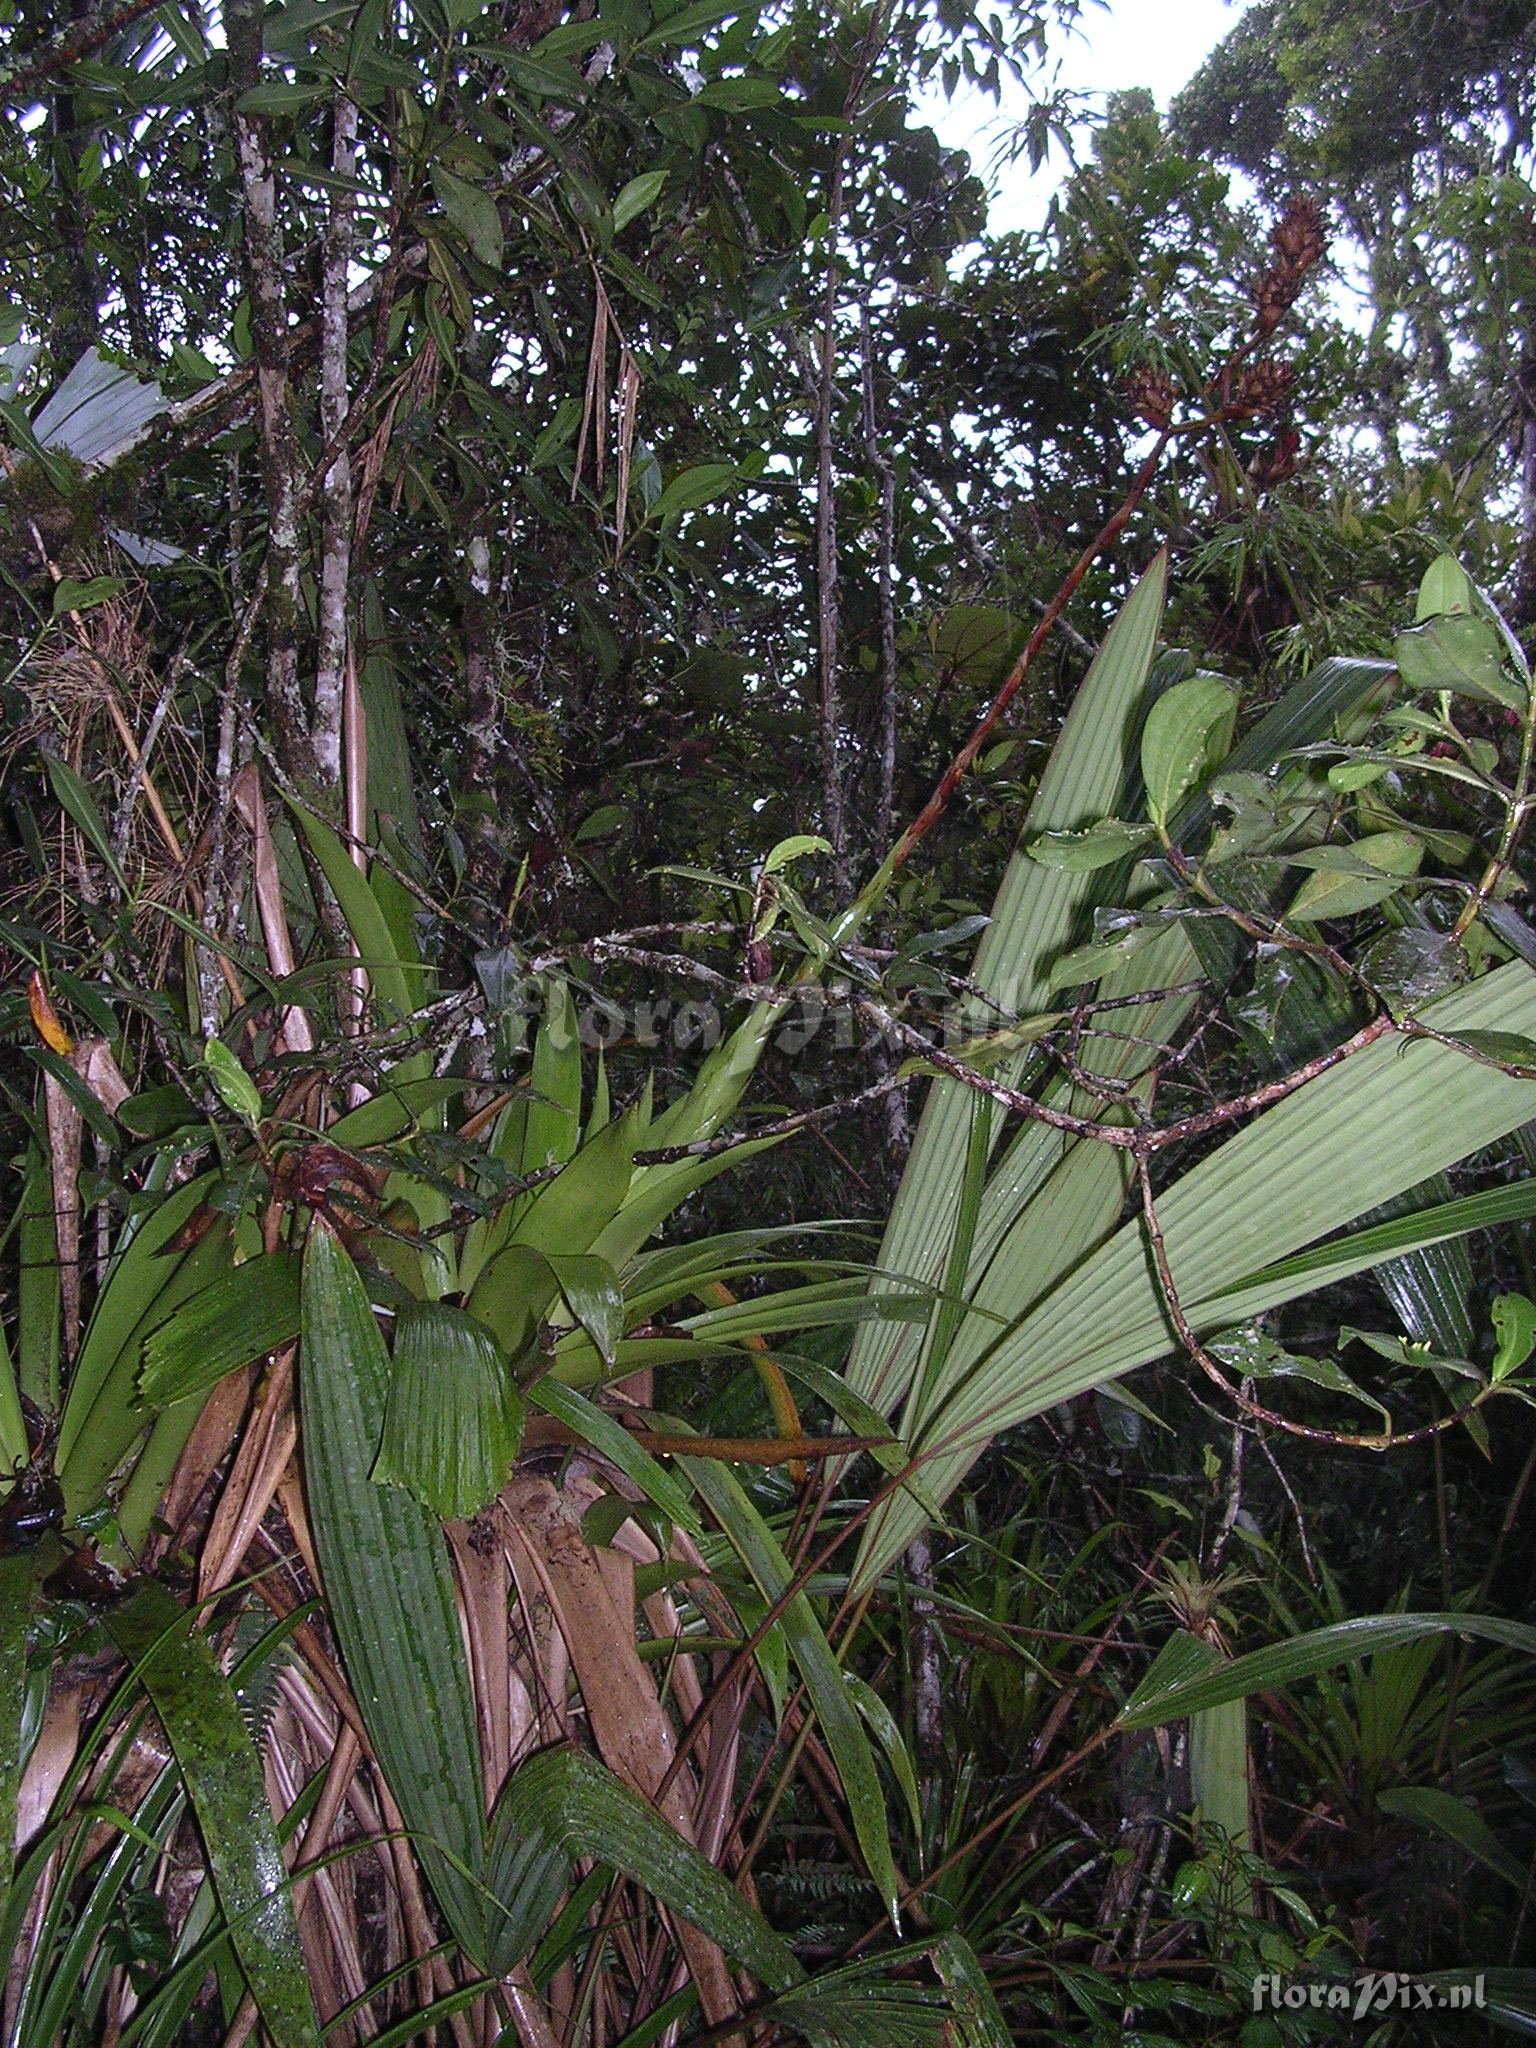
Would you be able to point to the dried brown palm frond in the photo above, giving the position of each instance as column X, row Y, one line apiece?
column 102, row 697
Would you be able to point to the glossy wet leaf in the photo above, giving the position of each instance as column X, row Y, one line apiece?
column 231, row 1083
column 755, row 1544
column 1187, row 731
column 1445, row 589
column 635, row 197
column 1509, row 1048
column 453, row 1421
column 1182, row 1682
column 472, row 212
column 1458, row 652
column 245, row 1313
column 1349, row 879
column 564, row 1804
column 224, row 1779
column 1254, row 1353
column 17, row 1592
column 1456, row 1821
column 388, row 1587
column 1514, row 1329
column 1098, row 845
column 692, row 488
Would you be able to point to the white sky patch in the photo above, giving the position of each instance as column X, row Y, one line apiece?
column 1157, row 44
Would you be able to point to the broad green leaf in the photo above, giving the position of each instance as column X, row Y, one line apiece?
column 691, row 488
column 1038, row 914
column 1104, row 956
column 472, row 212
column 151, row 1277
column 635, row 197
column 1218, row 1780
column 83, row 594
column 1509, row 1048
column 553, row 1128
column 1348, row 879
column 1187, row 731
column 370, row 929
column 389, row 1588
column 794, row 848
column 453, row 1421
column 1445, row 589
column 565, row 1217
column 987, row 1051
column 883, row 1726
column 1253, row 1353
column 597, row 1427
column 231, row 1083
column 1514, row 1329
column 1098, row 845
column 591, row 1291
column 1459, row 652
column 223, row 1774
column 1358, row 1250
column 1456, row 1821
column 284, row 96
column 247, row 1312
column 689, row 21
column 1180, row 1683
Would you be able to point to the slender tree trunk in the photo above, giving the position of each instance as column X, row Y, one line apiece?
column 264, row 263
column 828, row 623
column 336, row 484
column 77, row 323
column 1525, row 574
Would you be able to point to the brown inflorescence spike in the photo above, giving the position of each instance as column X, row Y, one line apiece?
column 1264, row 387
column 1299, row 239
column 1150, row 394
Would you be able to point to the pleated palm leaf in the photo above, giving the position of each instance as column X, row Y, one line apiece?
column 1045, row 1292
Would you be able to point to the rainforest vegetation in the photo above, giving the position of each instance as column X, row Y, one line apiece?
column 769, row 1028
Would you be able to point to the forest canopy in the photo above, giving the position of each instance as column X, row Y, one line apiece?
column 770, row 1028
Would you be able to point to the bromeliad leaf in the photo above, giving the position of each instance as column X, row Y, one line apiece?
column 590, row 1289
column 1188, row 730
column 1097, row 846
column 454, row 1420
column 248, row 1311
